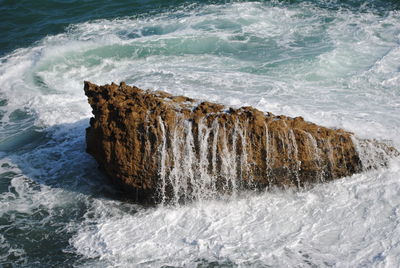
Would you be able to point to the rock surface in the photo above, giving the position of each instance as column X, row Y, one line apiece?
column 164, row 148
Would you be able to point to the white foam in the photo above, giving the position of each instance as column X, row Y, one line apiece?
column 351, row 222
column 237, row 54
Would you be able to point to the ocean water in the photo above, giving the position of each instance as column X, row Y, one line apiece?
column 335, row 63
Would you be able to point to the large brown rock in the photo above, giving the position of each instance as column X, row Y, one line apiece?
column 164, row 148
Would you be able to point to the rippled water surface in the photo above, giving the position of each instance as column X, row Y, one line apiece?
column 336, row 63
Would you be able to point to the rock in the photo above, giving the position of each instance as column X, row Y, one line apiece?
column 164, row 148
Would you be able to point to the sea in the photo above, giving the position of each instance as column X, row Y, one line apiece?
column 333, row 62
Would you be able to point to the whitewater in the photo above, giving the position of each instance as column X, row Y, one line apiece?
column 337, row 67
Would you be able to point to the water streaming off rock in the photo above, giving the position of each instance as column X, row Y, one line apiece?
column 216, row 164
column 203, row 160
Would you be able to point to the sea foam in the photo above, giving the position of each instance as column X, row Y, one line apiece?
column 337, row 68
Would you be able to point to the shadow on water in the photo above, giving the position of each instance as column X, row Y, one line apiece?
column 56, row 157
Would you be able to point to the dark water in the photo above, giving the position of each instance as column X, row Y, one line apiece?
column 334, row 62
column 24, row 22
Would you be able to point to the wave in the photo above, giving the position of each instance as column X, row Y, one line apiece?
column 335, row 67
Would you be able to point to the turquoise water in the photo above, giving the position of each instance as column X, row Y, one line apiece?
column 336, row 63
column 25, row 22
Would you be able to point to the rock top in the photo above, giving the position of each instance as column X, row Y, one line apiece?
column 169, row 149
